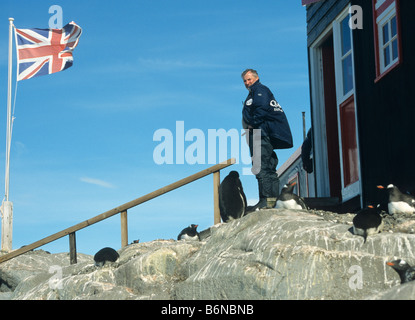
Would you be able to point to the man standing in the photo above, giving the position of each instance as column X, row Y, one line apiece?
column 262, row 111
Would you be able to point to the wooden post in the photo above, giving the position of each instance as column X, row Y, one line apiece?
column 216, row 211
column 124, row 229
column 72, row 248
column 7, row 226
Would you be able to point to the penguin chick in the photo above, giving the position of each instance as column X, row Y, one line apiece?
column 289, row 200
column 104, row 255
column 189, row 233
column 367, row 221
column 232, row 199
column 399, row 202
column 405, row 271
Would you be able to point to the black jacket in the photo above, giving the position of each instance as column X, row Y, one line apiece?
column 262, row 111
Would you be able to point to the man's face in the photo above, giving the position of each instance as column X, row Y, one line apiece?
column 249, row 79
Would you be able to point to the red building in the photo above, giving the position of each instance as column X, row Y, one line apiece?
column 361, row 74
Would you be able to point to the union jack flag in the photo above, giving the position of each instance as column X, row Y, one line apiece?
column 45, row 51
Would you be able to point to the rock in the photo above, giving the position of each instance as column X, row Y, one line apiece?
column 268, row 254
column 33, row 263
column 399, row 292
column 154, row 268
column 291, row 255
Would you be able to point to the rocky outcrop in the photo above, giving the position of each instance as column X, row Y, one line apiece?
column 269, row 254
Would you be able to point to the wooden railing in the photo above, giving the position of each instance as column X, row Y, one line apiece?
column 215, row 170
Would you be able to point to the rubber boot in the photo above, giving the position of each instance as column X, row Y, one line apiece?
column 270, row 185
column 269, row 191
column 274, row 182
column 262, row 203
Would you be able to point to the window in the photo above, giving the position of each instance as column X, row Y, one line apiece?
column 346, row 55
column 295, row 179
column 346, row 110
column 343, row 56
column 387, row 36
column 389, row 43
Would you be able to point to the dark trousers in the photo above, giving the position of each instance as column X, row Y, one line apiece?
column 264, row 166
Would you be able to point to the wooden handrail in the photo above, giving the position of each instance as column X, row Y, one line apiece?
column 124, row 207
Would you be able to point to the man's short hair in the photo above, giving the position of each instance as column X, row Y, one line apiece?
column 254, row 72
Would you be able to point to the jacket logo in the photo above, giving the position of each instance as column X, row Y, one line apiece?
column 276, row 106
column 249, row 102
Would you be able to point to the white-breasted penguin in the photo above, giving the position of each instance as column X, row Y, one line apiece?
column 189, row 233
column 399, row 202
column 104, row 255
column 367, row 221
column 289, row 200
column 232, row 199
column 405, row 271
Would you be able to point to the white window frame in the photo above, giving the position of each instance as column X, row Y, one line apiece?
column 339, row 57
column 385, row 19
column 354, row 189
column 317, row 96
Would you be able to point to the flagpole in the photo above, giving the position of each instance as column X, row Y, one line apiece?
column 7, row 206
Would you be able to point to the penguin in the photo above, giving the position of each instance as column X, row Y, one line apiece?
column 189, row 233
column 367, row 221
column 399, row 202
column 232, row 199
column 104, row 255
column 289, row 200
column 405, row 271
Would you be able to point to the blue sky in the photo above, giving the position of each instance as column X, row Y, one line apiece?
column 83, row 138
